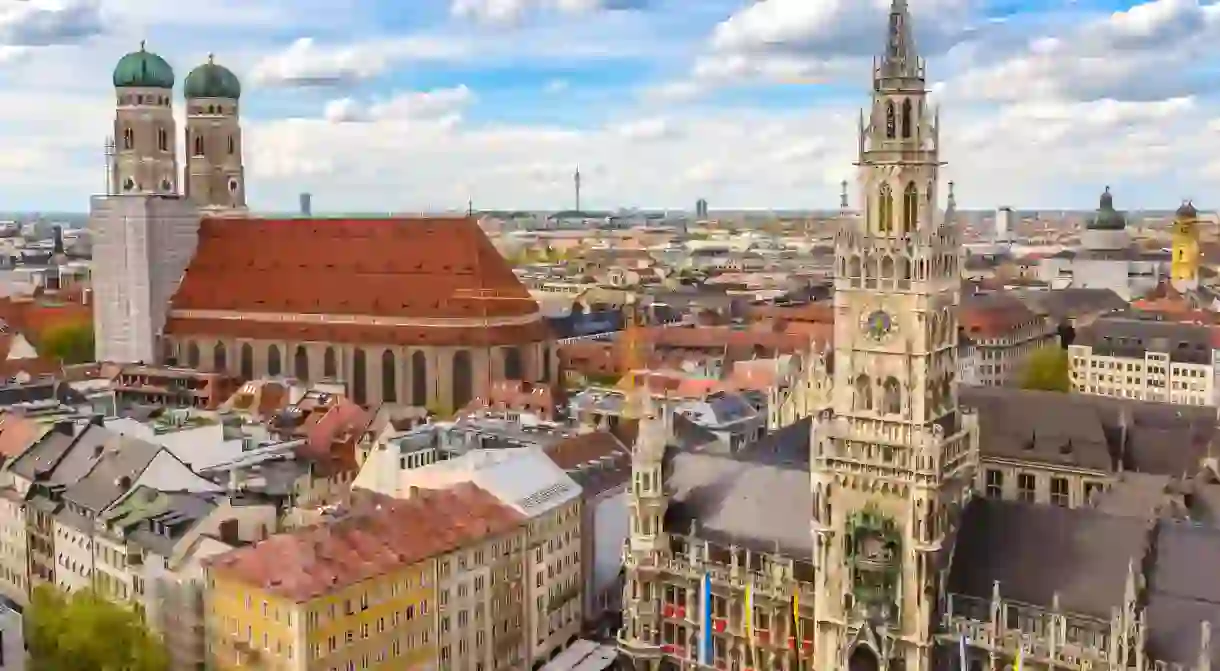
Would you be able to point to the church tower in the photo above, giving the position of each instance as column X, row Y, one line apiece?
column 1184, row 269
column 145, row 160
column 215, row 176
column 892, row 460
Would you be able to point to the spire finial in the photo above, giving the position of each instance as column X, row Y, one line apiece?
column 211, row 58
column 142, row 44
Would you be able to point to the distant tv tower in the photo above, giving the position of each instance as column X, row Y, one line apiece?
column 576, row 180
column 843, row 195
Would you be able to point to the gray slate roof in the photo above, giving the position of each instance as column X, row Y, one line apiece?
column 122, row 461
column 1183, row 591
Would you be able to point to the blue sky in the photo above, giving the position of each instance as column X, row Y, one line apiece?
column 375, row 105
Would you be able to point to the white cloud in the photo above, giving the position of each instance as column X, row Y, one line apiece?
column 443, row 105
column 37, row 23
column 307, row 63
column 513, row 11
column 657, row 128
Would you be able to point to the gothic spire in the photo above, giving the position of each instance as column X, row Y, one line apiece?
column 901, row 58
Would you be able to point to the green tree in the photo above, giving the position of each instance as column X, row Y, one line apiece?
column 85, row 632
column 70, row 343
column 1047, row 370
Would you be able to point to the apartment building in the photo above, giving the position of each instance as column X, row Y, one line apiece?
column 997, row 334
column 358, row 590
column 1140, row 357
column 526, row 480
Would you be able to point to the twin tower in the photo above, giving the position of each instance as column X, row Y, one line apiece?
column 145, row 157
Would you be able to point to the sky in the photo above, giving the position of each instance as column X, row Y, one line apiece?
column 422, row 105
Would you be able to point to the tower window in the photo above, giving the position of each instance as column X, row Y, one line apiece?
column 162, row 139
column 129, row 139
column 885, row 209
column 906, row 118
column 198, row 148
column 910, row 208
column 890, row 121
column 129, row 184
column 232, row 146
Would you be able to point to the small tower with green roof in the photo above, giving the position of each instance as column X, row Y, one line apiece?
column 215, row 176
column 145, row 160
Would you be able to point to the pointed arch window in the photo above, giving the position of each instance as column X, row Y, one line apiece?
column 389, row 377
column 419, row 379
column 300, row 364
column 907, row 130
column 513, row 369
column 891, row 130
column 198, row 146
column 219, row 359
column 129, row 138
column 274, row 364
column 192, row 355
column 910, row 208
column 359, row 377
column 247, row 361
column 462, row 380
column 885, row 208
column 162, row 139
column 232, row 146
column 892, row 397
column 863, row 393
column 330, row 367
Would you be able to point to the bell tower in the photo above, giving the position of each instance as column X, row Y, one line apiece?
column 892, row 460
column 1184, row 269
column 215, row 175
column 144, row 159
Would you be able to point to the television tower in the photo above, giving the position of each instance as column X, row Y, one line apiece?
column 576, row 180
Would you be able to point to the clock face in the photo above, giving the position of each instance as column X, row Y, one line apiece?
column 878, row 324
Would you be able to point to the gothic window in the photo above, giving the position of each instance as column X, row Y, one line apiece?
column 854, row 269
column 389, row 377
column 891, row 397
column 330, row 367
column 904, row 269
column 419, row 379
column 129, row 139
column 910, row 208
column 192, row 355
column 232, row 146
column 885, row 208
column 359, row 377
column 274, row 365
column 512, row 364
column 890, row 130
column 162, row 139
column 906, row 118
column 864, row 393
column 247, row 361
column 219, row 362
column 300, row 364
column 198, row 148
column 887, row 268
column 462, row 379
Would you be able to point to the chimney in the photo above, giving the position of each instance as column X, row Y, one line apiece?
column 306, row 205
column 412, row 492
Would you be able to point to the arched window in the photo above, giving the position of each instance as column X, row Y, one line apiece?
column 885, row 208
column 219, row 360
column 300, row 364
column 462, row 379
column 274, row 365
column 192, row 355
column 891, row 397
column 864, row 393
column 232, row 146
column 907, row 130
column 910, row 208
column 129, row 138
column 419, row 379
column 891, row 130
column 359, row 377
column 887, row 267
column 247, row 361
column 389, row 378
column 512, row 364
column 162, row 139
column 198, row 149
column 330, row 367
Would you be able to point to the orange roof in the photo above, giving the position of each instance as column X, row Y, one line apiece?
column 405, row 268
column 577, row 451
column 992, row 315
column 377, row 536
column 17, row 433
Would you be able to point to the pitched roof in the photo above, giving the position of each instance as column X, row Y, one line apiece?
column 17, row 434
column 383, row 535
column 394, row 269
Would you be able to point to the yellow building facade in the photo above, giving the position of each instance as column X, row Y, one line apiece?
column 358, row 591
column 1184, row 268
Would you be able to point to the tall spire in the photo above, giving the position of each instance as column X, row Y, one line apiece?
column 901, row 58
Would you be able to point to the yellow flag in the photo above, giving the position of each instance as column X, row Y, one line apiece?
column 796, row 622
column 1017, row 664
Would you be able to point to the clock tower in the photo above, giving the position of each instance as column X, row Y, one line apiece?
column 893, row 460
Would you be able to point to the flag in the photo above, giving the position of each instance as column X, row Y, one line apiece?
column 749, row 614
column 1017, row 664
column 796, row 622
column 705, row 618
column 962, row 650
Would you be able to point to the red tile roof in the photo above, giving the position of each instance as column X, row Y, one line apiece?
column 395, row 268
column 377, row 537
column 18, row 433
